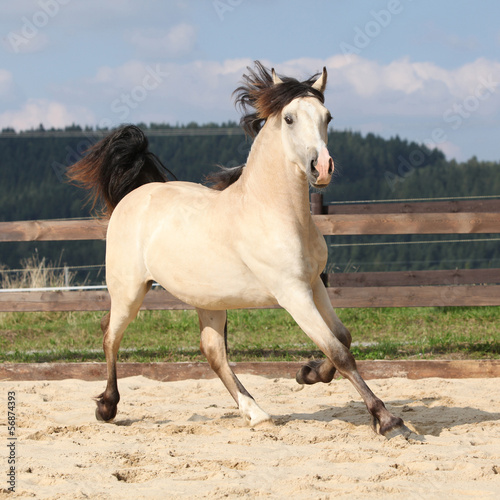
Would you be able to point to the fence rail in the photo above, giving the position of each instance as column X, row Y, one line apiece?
column 415, row 278
column 337, row 223
column 479, row 287
column 53, row 230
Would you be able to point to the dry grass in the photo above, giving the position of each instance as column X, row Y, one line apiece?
column 36, row 272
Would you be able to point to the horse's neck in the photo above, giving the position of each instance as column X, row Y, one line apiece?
column 272, row 181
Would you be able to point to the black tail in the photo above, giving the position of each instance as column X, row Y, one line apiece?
column 116, row 165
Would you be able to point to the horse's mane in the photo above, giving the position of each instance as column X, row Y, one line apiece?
column 266, row 98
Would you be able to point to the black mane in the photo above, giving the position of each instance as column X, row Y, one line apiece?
column 224, row 177
column 261, row 93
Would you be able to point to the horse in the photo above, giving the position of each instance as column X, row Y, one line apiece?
column 248, row 240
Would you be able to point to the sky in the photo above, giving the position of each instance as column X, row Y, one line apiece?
column 425, row 70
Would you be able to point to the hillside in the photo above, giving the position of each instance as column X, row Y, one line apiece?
column 368, row 167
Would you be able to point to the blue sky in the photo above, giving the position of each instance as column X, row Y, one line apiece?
column 426, row 70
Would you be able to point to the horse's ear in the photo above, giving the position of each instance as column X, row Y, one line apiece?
column 276, row 78
column 320, row 83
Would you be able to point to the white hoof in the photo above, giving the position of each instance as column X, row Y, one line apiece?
column 251, row 411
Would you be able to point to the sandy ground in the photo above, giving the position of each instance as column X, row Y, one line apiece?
column 187, row 440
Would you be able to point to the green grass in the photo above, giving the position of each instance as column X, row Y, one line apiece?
column 415, row 333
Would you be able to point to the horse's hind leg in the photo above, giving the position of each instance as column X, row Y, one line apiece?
column 213, row 345
column 123, row 311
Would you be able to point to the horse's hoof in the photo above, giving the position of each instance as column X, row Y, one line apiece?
column 308, row 374
column 299, row 377
column 252, row 413
column 311, row 373
column 399, row 429
column 259, row 421
column 103, row 414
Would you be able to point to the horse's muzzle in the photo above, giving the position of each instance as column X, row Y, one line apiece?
column 322, row 168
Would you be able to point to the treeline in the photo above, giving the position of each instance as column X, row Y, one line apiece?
column 368, row 167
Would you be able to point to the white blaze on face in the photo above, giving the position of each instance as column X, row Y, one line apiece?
column 305, row 134
column 324, row 167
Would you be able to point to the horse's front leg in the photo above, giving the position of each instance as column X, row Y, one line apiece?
column 299, row 301
column 213, row 327
column 323, row 370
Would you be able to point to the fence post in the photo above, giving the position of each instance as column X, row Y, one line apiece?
column 318, row 209
column 317, row 204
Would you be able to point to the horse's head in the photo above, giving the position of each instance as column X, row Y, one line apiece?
column 298, row 107
column 304, row 130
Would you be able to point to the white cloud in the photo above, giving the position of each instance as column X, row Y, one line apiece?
column 42, row 111
column 120, row 77
column 6, row 84
column 409, row 88
column 33, row 25
column 403, row 97
column 175, row 43
column 172, row 92
column 26, row 24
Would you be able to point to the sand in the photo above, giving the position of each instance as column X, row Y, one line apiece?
column 186, row 440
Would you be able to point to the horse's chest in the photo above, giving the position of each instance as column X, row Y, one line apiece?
column 316, row 256
column 305, row 257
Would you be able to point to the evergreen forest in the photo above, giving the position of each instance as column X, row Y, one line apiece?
column 367, row 167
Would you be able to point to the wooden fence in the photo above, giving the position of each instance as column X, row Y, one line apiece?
column 479, row 287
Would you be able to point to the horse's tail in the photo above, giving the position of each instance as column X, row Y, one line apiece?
column 116, row 165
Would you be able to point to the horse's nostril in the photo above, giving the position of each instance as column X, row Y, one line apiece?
column 330, row 166
column 314, row 170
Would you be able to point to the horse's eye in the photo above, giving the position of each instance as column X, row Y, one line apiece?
column 288, row 119
column 328, row 118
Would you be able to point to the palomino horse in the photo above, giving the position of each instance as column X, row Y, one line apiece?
column 248, row 241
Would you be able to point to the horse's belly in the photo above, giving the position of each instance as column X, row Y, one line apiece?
column 207, row 299
column 205, row 275
column 208, row 289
